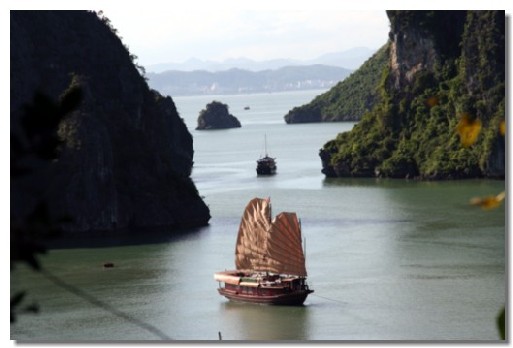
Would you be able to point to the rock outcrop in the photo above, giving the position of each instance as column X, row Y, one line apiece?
column 216, row 116
column 127, row 156
column 443, row 66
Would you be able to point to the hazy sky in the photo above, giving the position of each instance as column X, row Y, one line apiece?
column 260, row 34
column 177, row 30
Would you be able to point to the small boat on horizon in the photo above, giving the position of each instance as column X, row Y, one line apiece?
column 266, row 165
column 269, row 259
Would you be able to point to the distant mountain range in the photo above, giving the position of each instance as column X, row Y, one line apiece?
column 239, row 81
column 349, row 59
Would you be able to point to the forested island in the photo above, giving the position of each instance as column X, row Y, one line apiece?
column 216, row 116
column 349, row 99
column 442, row 67
column 124, row 156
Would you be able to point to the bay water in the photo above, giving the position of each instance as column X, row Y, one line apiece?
column 388, row 259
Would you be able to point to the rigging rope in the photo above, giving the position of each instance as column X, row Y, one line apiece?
column 327, row 298
column 91, row 299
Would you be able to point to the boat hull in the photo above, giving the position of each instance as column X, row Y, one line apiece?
column 266, row 166
column 262, row 170
column 295, row 298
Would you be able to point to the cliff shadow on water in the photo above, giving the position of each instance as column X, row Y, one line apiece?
column 120, row 238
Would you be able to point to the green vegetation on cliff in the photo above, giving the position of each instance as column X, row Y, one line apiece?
column 349, row 99
column 443, row 65
column 216, row 116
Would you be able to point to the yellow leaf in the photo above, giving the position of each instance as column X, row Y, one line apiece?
column 488, row 202
column 502, row 128
column 468, row 130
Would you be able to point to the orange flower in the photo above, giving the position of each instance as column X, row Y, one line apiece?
column 468, row 130
column 489, row 202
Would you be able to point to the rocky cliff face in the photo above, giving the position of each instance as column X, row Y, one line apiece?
column 127, row 155
column 443, row 66
column 410, row 53
column 420, row 41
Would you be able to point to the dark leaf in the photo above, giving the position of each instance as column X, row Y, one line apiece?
column 71, row 100
column 41, row 116
column 32, row 261
column 26, row 252
column 33, row 308
column 40, row 214
column 17, row 298
column 501, row 323
column 47, row 147
column 40, row 122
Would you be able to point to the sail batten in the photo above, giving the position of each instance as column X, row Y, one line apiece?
column 269, row 245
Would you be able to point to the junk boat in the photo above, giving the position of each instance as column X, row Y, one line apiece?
column 266, row 165
column 269, row 259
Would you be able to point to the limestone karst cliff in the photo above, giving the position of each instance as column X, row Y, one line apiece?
column 127, row 156
column 442, row 66
column 216, row 116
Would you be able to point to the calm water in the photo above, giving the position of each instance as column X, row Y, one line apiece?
column 389, row 260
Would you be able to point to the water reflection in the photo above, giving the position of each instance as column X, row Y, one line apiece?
column 265, row 323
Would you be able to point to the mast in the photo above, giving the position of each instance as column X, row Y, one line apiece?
column 304, row 248
column 265, row 144
column 304, row 242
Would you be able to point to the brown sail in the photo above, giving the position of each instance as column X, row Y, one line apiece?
column 269, row 259
column 269, row 246
column 284, row 246
column 250, row 250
